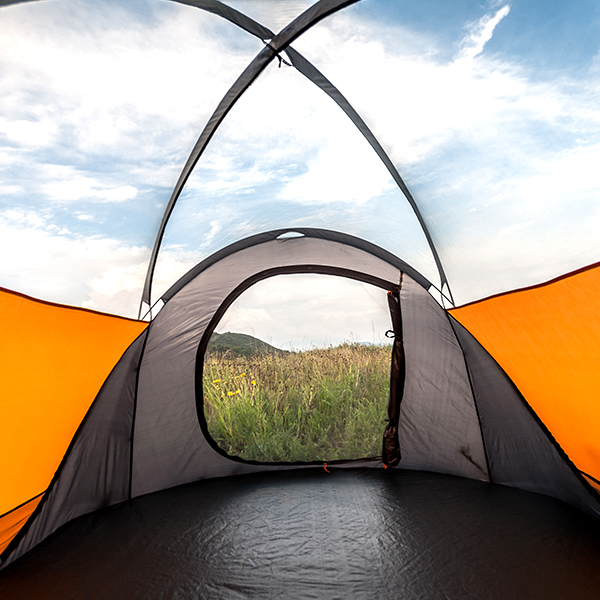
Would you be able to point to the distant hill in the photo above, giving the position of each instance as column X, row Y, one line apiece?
column 240, row 344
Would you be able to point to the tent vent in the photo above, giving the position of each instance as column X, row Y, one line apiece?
column 289, row 235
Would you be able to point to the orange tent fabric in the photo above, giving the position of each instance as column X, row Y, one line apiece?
column 54, row 360
column 11, row 523
column 547, row 339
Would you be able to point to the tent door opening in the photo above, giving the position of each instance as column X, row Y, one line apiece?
column 297, row 369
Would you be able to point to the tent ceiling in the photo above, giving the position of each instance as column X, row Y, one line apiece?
column 488, row 114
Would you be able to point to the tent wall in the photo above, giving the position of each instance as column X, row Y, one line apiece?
column 12, row 521
column 439, row 427
column 170, row 448
column 546, row 339
column 439, row 424
column 96, row 470
column 460, row 413
column 54, row 360
column 521, row 452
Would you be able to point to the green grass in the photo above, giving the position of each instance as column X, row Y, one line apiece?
column 301, row 406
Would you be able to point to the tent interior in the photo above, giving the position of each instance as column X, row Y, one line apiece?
column 299, row 299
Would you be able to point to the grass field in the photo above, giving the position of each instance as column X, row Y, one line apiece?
column 300, row 406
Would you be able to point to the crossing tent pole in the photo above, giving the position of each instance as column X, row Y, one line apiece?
column 280, row 42
column 233, row 16
column 274, row 45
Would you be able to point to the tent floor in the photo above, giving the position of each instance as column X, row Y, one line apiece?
column 350, row 533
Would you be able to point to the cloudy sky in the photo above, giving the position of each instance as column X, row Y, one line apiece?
column 299, row 312
column 488, row 109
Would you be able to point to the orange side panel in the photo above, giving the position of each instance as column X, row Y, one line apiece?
column 547, row 339
column 54, row 360
column 593, row 483
column 14, row 520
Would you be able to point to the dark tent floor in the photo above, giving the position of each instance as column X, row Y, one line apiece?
column 346, row 534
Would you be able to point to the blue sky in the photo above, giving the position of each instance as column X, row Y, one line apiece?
column 488, row 109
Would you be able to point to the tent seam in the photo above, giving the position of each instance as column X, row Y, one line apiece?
column 22, row 504
column 134, row 413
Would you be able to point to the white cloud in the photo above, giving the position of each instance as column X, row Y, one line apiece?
column 7, row 157
column 48, row 262
column 225, row 176
column 570, row 174
column 172, row 264
column 29, row 133
column 304, row 311
column 117, row 289
column 65, row 184
column 480, row 33
column 87, row 188
column 345, row 170
column 270, row 14
column 24, row 218
column 533, row 226
column 9, row 190
column 513, row 257
column 104, row 83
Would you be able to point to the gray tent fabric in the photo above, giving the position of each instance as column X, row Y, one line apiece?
column 96, row 469
column 439, row 428
column 169, row 446
column 311, row 232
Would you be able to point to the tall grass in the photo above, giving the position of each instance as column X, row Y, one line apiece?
column 300, row 406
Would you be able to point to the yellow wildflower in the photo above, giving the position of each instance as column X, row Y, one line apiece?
column 230, row 393
column 216, row 381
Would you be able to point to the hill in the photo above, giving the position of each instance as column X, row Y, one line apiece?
column 240, row 344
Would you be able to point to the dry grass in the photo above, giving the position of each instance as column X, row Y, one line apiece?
column 303, row 406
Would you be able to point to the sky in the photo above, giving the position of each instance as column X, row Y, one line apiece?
column 489, row 110
column 333, row 311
